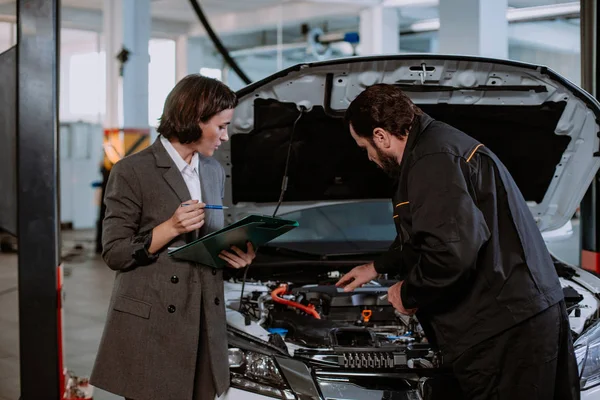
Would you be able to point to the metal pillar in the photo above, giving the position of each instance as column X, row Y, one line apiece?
column 113, row 42
column 127, row 26
column 8, row 149
column 590, row 79
column 37, row 194
column 136, row 35
column 379, row 31
column 474, row 27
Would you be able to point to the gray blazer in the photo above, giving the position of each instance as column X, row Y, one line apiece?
column 150, row 343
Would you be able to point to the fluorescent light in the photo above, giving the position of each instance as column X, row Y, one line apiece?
column 512, row 15
column 542, row 12
column 426, row 25
column 366, row 3
column 384, row 3
column 410, row 3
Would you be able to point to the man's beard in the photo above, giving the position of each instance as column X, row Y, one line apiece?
column 388, row 163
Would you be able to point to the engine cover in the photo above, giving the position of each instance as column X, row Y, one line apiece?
column 363, row 305
column 359, row 319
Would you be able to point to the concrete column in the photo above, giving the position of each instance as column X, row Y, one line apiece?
column 181, row 57
column 379, row 31
column 113, row 34
column 136, row 35
column 474, row 27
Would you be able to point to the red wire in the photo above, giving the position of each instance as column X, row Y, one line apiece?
column 282, row 289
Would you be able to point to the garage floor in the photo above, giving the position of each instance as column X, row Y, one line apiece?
column 88, row 284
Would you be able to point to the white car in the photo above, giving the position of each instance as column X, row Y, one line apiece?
column 292, row 334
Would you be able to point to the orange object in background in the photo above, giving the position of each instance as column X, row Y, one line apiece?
column 283, row 289
column 590, row 261
column 121, row 142
column 366, row 314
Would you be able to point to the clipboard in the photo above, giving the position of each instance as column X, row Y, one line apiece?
column 256, row 229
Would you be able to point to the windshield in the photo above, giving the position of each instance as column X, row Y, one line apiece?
column 367, row 225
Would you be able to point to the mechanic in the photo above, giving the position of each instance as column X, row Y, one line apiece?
column 470, row 260
column 166, row 330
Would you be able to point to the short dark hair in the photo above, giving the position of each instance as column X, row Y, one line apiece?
column 194, row 99
column 381, row 106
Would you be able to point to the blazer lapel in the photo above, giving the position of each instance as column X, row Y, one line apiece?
column 172, row 175
column 175, row 180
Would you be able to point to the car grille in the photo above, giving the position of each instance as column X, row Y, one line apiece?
column 360, row 360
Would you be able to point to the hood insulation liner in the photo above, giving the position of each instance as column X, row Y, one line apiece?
column 327, row 165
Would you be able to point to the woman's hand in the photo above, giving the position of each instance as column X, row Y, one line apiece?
column 237, row 258
column 188, row 217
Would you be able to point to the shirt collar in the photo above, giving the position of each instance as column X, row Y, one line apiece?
column 177, row 159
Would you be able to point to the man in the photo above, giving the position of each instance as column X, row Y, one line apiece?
column 470, row 259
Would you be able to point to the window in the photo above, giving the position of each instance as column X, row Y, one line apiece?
column 87, row 87
column 87, row 83
column 212, row 73
column 6, row 36
column 367, row 221
column 161, row 76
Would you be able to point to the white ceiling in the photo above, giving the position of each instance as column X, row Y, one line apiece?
column 181, row 10
column 235, row 20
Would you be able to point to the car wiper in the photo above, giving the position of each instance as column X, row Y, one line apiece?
column 286, row 251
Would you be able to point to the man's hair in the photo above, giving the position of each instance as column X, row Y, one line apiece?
column 194, row 99
column 381, row 106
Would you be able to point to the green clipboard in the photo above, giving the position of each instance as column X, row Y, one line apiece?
column 256, row 229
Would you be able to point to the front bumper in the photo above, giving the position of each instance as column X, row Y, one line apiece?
column 331, row 391
column 238, row 394
column 350, row 391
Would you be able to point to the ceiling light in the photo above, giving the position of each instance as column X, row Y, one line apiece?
column 524, row 14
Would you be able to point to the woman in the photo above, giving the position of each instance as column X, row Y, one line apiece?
column 164, row 313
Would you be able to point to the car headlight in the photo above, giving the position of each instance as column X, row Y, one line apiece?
column 256, row 372
column 587, row 352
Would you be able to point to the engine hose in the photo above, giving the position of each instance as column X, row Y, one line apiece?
column 217, row 42
column 264, row 313
column 281, row 290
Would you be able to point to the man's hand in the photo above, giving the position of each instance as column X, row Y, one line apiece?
column 237, row 258
column 357, row 277
column 395, row 299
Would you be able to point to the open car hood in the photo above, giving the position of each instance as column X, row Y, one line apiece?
column 543, row 128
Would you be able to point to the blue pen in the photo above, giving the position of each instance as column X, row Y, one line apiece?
column 211, row 207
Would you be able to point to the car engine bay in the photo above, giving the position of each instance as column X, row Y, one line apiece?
column 356, row 330
column 357, row 339
column 322, row 323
